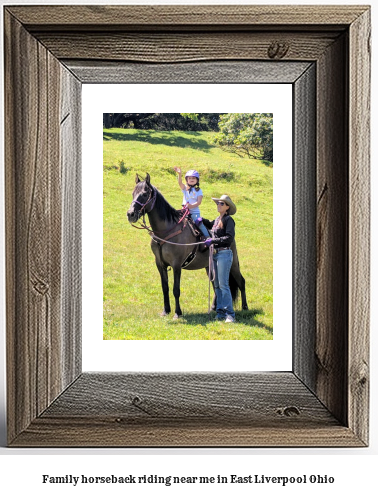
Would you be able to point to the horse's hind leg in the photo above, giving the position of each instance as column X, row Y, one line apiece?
column 164, row 285
column 236, row 274
column 240, row 281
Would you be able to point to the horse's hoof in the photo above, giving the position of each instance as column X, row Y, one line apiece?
column 162, row 314
column 176, row 316
column 245, row 308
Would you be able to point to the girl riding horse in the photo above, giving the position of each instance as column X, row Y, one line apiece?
column 171, row 242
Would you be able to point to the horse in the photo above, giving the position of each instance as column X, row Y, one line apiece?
column 173, row 241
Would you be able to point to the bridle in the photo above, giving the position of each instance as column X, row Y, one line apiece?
column 152, row 197
column 143, row 211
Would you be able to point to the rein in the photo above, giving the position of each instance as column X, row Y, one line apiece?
column 153, row 236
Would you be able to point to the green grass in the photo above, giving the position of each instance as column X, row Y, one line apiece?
column 132, row 291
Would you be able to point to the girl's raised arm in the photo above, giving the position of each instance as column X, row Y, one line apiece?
column 181, row 184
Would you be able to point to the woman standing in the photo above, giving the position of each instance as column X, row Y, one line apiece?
column 223, row 234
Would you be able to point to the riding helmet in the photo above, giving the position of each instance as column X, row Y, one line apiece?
column 192, row 173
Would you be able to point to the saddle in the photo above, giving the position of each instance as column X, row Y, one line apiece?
column 199, row 237
column 187, row 221
column 194, row 229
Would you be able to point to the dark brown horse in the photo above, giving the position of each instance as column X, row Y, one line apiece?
column 166, row 224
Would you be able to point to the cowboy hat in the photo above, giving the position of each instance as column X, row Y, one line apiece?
column 228, row 201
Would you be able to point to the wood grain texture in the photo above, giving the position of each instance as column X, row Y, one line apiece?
column 304, row 227
column 100, row 432
column 33, row 228
column 322, row 403
column 137, row 17
column 332, row 230
column 359, row 226
column 192, row 396
column 200, row 72
column 180, row 47
column 70, row 161
column 33, row 193
column 197, row 409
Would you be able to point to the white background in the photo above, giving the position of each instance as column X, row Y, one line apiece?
column 354, row 469
column 183, row 355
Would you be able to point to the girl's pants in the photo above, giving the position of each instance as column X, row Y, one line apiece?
column 201, row 227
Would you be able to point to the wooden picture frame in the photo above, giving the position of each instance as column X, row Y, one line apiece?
column 324, row 51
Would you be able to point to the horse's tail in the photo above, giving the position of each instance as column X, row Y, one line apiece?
column 234, row 288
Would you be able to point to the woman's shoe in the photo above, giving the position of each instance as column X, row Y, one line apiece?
column 230, row 319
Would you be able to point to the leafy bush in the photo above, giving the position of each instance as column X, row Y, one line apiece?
column 246, row 134
column 211, row 175
column 122, row 168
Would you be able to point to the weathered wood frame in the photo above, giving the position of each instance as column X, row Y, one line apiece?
column 49, row 52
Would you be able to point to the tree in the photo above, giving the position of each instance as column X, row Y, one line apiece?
column 123, row 120
column 191, row 116
column 246, row 134
column 163, row 121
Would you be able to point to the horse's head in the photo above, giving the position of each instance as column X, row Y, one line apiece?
column 143, row 198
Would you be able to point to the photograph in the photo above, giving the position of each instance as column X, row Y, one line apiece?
column 188, row 192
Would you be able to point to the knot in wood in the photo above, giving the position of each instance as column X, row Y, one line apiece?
column 140, row 404
column 288, row 411
column 361, row 375
column 278, row 50
column 41, row 287
column 136, row 400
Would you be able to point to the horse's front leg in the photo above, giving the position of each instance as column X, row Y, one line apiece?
column 165, row 287
column 176, row 290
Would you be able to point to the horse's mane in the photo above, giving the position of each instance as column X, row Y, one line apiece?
column 164, row 209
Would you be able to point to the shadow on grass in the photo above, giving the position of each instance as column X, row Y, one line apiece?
column 162, row 138
column 244, row 317
column 267, row 163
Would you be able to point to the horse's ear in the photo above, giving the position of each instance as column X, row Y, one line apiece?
column 137, row 180
column 148, row 179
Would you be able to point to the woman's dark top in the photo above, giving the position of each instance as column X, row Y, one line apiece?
column 222, row 237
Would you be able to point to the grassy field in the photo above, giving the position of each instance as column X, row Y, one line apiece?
column 132, row 291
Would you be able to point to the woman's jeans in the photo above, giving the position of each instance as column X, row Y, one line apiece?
column 222, row 266
column 201, row 227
